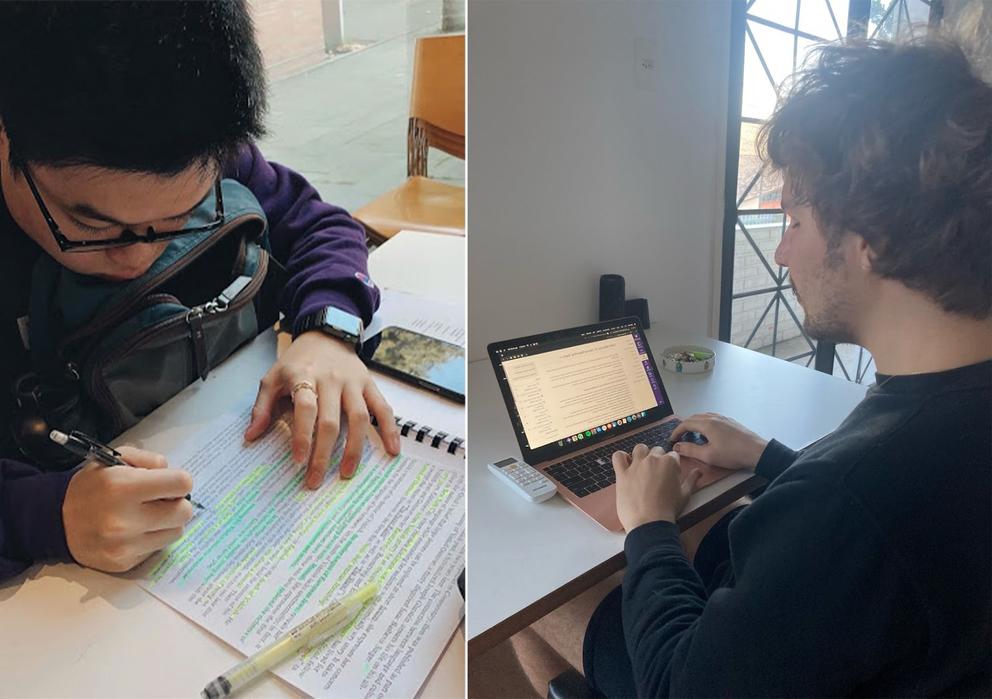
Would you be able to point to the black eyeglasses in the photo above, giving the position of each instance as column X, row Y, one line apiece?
column 127, row 236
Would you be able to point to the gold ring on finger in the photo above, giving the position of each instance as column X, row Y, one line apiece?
column 301, row 385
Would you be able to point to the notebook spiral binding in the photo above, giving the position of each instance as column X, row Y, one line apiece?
column 428, row 435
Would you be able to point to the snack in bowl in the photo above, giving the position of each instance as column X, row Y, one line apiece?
column 688, row 359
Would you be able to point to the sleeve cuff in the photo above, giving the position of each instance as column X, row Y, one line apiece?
column 649, row 536
column 774, row 460
column 33, row 511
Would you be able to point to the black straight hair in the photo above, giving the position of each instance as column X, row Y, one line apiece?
column 155, row 87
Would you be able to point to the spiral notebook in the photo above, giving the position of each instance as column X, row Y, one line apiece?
column 429, row 436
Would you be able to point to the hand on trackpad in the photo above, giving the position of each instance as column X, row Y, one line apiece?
column 711, row 474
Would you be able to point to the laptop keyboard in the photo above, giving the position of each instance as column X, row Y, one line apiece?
column 593, row 470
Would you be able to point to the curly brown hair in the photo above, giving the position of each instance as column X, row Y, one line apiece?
column 893, row 142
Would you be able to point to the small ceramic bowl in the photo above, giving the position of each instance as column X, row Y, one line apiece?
column 688, row 359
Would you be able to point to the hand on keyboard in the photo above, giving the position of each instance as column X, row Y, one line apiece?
column 728, row 445
column 651, row 486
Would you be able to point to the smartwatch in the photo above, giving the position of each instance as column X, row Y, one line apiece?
column 334, row 322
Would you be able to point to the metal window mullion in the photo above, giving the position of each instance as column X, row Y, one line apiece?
column 833, row 19
column 867, row 366
column 841, row 362
column 757, row 250
column 759, row 292
column 858, row 13
column 759, row 212
column 738, row 26
column 799, row 324
column 795, row 37
column 761, row 58
column 758, row 324
column 884, row 19
column 782, row 28
column 747, row 190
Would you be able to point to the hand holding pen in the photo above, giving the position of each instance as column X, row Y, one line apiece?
column 115, row 516
column 88, row 448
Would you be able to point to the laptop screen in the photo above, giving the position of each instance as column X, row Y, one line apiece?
column 565, row 388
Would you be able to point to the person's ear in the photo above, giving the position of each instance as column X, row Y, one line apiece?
column 865, row 255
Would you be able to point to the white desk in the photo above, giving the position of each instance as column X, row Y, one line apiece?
column 70, row 631
column 524, row 560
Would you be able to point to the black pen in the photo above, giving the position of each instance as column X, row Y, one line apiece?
column 88, row 448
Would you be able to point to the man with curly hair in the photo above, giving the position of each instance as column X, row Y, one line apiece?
column 864, row 566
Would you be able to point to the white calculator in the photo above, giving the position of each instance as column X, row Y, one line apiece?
column 526, row 481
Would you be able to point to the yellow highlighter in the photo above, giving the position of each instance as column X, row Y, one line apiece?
column 309, row 634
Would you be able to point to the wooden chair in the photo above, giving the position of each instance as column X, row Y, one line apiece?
column 437, row 120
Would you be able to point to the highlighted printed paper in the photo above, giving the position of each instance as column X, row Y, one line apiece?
column 267, row 554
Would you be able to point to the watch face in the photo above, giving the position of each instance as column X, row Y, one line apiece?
column 344, row 322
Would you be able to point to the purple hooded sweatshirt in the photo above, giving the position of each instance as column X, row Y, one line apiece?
column 324, row 252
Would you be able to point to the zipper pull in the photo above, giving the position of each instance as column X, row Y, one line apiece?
column 227, row 296
column 194, row 318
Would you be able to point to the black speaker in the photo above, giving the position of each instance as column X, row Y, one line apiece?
column 639, row 308
column 612, row 293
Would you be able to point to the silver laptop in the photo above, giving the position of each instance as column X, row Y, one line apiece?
column 576, row 396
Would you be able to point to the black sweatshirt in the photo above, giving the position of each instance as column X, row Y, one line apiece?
column 863, row 569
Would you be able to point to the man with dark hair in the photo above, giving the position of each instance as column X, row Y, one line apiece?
column 864, row 567
column 117, row 119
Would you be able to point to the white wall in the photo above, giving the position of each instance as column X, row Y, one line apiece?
column 576, row 169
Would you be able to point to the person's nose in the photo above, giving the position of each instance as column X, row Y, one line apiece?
column 782, row 251
column 138, row 256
